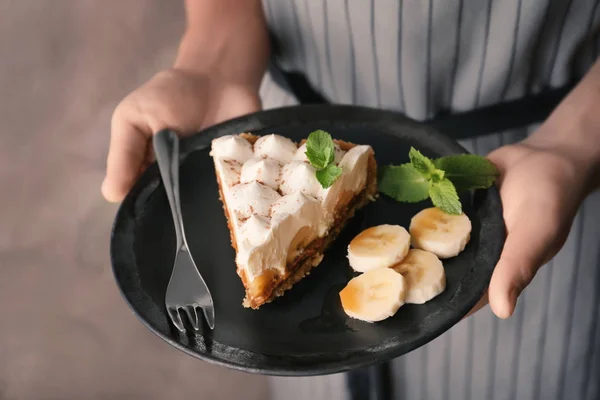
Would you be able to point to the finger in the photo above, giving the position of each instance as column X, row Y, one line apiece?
column 149, row 158
column 526, row 247
column 126, row 154
column 505, row 156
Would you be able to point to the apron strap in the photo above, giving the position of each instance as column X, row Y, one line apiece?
column 496, row 118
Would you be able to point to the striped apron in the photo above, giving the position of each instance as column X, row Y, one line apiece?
column 429, row 58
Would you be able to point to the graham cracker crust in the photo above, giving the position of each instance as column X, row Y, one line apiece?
column 275, row 285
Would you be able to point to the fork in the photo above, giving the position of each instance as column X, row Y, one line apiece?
column 186, row 290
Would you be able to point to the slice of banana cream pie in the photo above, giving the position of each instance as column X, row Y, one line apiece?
column 285, row 203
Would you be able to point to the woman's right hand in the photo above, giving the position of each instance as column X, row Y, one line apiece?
column 176, row 99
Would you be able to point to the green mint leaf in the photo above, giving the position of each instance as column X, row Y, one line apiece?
column 468, row 171
column 444, row 196
column 403, row 183
column 319, row 149
column 420, row 162
column 437, row 175
column 328, row 175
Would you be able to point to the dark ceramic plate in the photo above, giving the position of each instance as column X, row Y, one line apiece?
column 305, row 332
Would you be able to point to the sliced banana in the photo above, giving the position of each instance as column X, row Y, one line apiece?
column 442, row 234
column 374, row 296
column 423, row 274
column 378, row 247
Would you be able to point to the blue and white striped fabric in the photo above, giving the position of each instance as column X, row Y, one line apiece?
column 423, row 57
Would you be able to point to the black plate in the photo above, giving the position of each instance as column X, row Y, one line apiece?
column 305, row 332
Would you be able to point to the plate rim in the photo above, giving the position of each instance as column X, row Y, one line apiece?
column 252, row 122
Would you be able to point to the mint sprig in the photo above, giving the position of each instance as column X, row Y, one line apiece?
column 421, row 163
column 320, row 152
column 468, row 171
column 444, row 196
column 440, row 180
column 404, row 183
column 328, row 175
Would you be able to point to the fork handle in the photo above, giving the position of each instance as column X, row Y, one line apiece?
column 166, row 149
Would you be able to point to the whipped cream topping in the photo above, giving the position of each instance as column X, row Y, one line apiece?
column 277, row 206
column 277, row 147
column 303, row 207
column 229, row 171
column 256, row 230
column 299, row 176
column 247, row 199
column 232, row 147
column 264, row 170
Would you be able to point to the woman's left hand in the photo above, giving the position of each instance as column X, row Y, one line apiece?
column 541, row 188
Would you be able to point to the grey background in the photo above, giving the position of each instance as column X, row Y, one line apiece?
column 65, row 332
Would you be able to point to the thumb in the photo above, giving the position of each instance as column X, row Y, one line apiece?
column 527, row 245
column 126, row 155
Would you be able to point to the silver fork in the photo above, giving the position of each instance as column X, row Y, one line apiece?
column 186, row 290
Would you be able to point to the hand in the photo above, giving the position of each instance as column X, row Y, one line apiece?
column 180, row 100
column 541, row 188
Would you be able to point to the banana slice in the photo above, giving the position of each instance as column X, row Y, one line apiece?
column 442, row 234
column 424, row 275
column 378, row 247
column 374, row 296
